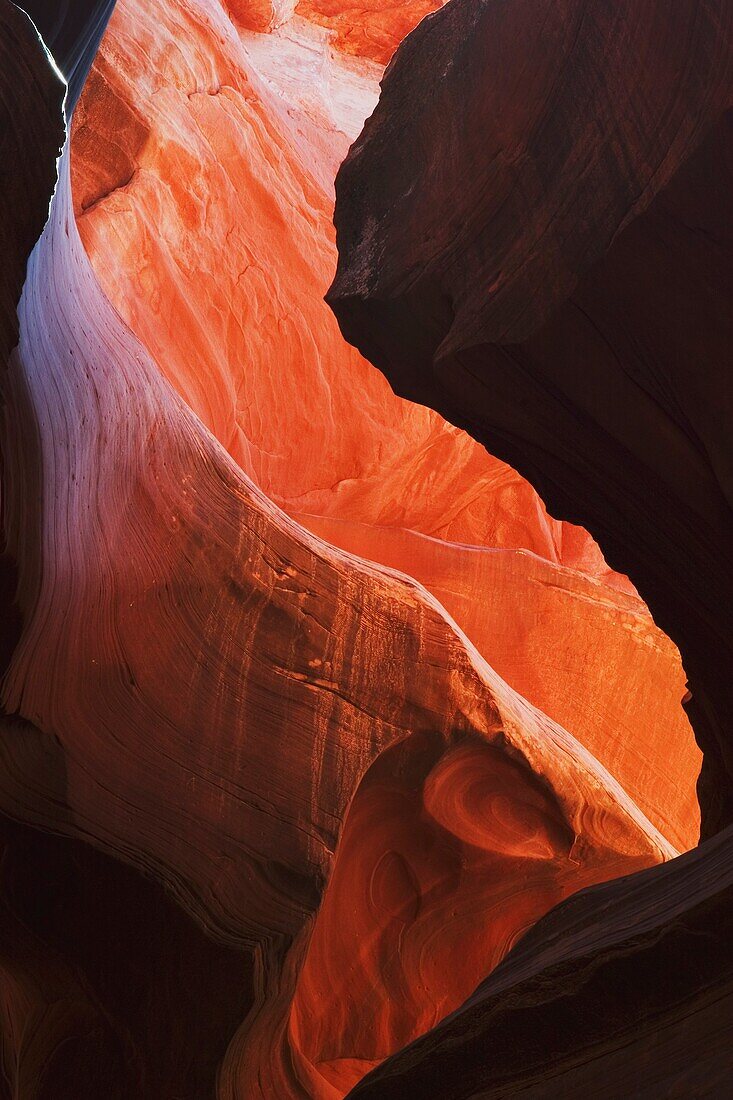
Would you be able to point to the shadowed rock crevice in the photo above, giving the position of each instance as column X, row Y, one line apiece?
column 26, row 183
column 71, row 30
column 554, row 278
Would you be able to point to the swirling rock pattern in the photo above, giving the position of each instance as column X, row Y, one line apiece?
column 300, row 745
column 189, row 172
column 372, row 30
column 624, row 990
column 191, row 628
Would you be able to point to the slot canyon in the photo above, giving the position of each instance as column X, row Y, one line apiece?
column 365, row 549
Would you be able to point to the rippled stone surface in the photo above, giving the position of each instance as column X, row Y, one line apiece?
column 624, row 989
column 203, row 158
column 185, row 632
column 296, row 672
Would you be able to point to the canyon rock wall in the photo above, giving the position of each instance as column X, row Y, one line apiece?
column 203, row 158
column 549, row 270
column 296, row 674
column 624, row 990
column 534, row 239
column 214, row 688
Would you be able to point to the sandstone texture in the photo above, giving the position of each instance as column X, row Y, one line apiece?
column 624, row 990
column 309, row 710
column 202, row 164
column 207, row 691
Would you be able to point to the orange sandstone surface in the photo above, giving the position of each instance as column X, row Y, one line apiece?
column 298, row 650
column 367, row 30
column 203, row 158
column 300, row 745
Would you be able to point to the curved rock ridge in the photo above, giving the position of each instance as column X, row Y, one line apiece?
column 302, row 747
column 439, row 870
column 187, row 168
column 203, row 157
column 568, row 302
column 223, row 700
column 258, row 15
column 583, row 654
column 553, row 277
column 26, row 183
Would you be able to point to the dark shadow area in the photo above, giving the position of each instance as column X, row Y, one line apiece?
column 132, row 999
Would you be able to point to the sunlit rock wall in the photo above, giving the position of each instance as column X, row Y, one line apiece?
column 202, row 163
column 294, row 654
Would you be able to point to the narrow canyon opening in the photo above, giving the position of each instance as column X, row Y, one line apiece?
column 340, row 682
column 203, row 158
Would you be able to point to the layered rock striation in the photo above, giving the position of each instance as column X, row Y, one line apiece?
column 624, row 990
column 295, row 670
column 203, row 158
column 216, row 693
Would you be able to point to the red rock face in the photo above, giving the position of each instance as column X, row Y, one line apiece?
column 256, row 15
column 218, row 213
column 300, row 652
column 194, row 627
column 427, row 842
